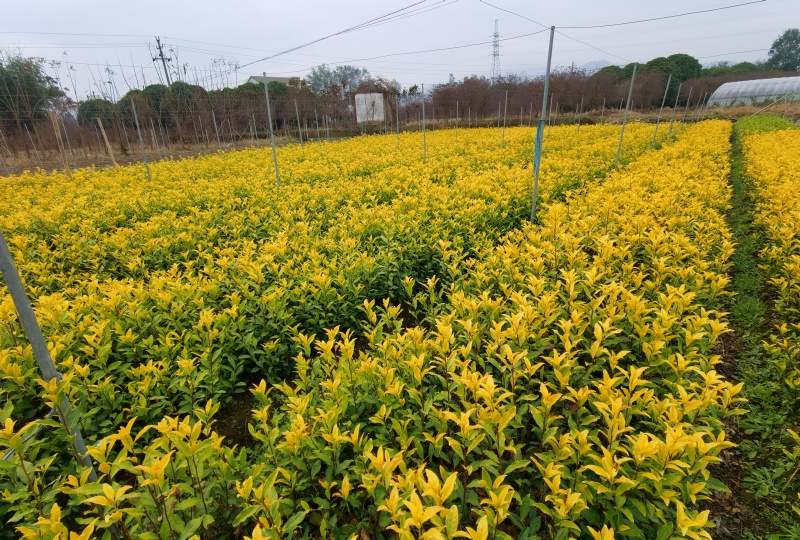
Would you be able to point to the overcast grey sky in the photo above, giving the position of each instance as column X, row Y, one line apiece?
column 206, row 33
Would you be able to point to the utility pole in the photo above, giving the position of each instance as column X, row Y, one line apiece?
column 163, row 60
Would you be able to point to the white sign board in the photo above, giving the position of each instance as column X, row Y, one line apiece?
column 369, row 108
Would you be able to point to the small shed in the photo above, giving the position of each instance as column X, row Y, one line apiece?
column 373, row 107
column 756, row 91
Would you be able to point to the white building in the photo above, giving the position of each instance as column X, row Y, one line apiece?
column 373, row 107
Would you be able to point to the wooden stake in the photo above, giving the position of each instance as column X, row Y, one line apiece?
column 108, row 145
column 61, row 149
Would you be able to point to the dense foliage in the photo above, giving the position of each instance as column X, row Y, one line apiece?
column 26, row 92
column 209, row 277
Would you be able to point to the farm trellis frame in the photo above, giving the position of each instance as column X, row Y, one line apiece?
column 165, row 139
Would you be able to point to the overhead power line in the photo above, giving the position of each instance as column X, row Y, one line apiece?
column 340, row 32
column 665, row 16
column 619, row 23
column 592, row 46
column 626, row 22
column 515, row 13
column 730, row 53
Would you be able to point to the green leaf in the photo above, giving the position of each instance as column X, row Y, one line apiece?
column 245, row 514
column 294, row 521
column 191, row 527
column 664, row 532
column 519, row 464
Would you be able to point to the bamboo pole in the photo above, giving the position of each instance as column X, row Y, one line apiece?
column 60, row 142
column 38, row 156
column 108, row 145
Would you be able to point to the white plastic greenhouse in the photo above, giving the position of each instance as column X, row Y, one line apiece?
column 757, row 91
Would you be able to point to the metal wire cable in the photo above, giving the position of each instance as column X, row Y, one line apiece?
column 664, row 17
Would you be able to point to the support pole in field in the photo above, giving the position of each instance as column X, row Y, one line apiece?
column 316, row 123
column 69, row 144
column 216, row 130
column 696, row 112
column 61, row 148
column 5, row 167
column 164, row 140
column 537, row 153
column 108, row 145
column 578, row 117
column 271, row 132
column 704, row 103
column 424, row 140
column 40, row 351
column 203, row 131
column 686, row 109
column 786, row 110
column 121, row 124
column 196, row 133
column 456, row 121
column 153, row 136
column 3, row 138
column 397, row 119
column 698, row 107
column 503, row 133
column 660, row 112
column 602, row 111
column 169, row 140
column 153, row 140
column 99, row 143
column 141, row 141
column 299, row 128
column 625, row 117
column 5, row 143
column 675, row 107
column 38, row 157
column 550, row 115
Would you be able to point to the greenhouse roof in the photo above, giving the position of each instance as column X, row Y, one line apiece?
column 759, row 90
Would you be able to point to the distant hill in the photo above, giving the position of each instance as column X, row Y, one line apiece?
column 596, row 65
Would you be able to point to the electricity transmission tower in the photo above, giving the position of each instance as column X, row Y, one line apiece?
column 496, row 52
